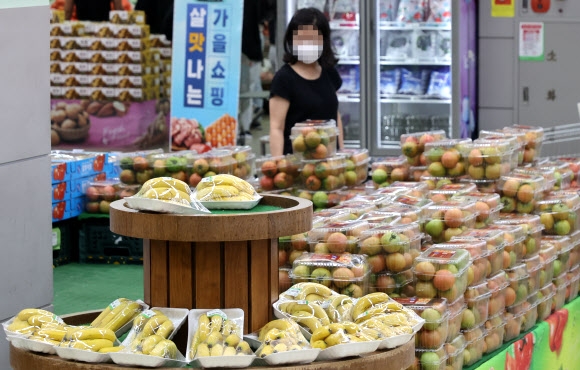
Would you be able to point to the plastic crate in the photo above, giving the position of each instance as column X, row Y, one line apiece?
column 97, row 244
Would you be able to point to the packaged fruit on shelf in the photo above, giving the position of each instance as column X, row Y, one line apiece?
column 446, row 219
column 356, row 208
column 497, row 285
column 477, row 300
column 436, row 315
column 534, row 137
column 455, row 350
column 170, row 165
column 478, row 251
column 445, row 192
column 514, row 247
column 314, row 139
column 529, row 311
column 245, row 165
column 135, row 167
column 494, row 244
column 394, row 247
column 559, row 213
column 321, row 199
column 513, row 324
column 408, row 213
column 548, row 255
column 396, row 285
column 573, row 164
column 445, row 157
column 534, row 267
column 415, row 189
column 345, row 274
column 323, row 174
column 283, row 335
column 278, row 172
column 508, row 142
column 518, row 289
column 412, row 201
column 475, row 339
column 546, row 173
column 575, row 252
column 495, row 332
column 520, row 191
column 487, row 206
column 284, row 282
column 225, row 191
column 100, row 194
column 337, row 237
column 441, row 273
column 562, row 284
column 563, row 246
column 562, row 173
column 430, row 359
column 413, row 145
column 435, row 182
column 483, row 186
column 291, row 247
column 416, row 172
column 456, row 310
column 545, row 297
column 386, row 170
column 310, row 291
column 532, row 228
column 488, row 159
column 310, row 315
column 357, row 163
column 389, row 192
column 573, row 277
column 219, row 162
column 519, row 137
column 326, row 216
column 376, row 218
column 377, row 200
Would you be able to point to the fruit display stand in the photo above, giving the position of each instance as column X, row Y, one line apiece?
column 227, row 259
column 399, row 358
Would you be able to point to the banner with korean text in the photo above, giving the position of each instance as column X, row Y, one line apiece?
column 205, row 73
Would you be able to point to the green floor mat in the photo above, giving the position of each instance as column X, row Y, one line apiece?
column 83, row 287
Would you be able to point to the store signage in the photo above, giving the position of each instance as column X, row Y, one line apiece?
column 503, row 8
column 205, row 73
column 531, row 41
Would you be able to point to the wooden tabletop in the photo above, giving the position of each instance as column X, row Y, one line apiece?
column 294, row 217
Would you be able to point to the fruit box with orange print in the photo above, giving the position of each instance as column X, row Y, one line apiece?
column 61, row 210
column 60, row 171
column 61, row 191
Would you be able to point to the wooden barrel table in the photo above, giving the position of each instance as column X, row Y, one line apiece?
column 225, row 260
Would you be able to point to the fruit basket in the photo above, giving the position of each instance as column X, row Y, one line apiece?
column 278, row 172
column 519, row 192
column 446, row 219
column 445, row 157
column 387, row 170
column 314, row 139
column 531, row 226
column 323, row 174
column 488, row 159
column 559, row 213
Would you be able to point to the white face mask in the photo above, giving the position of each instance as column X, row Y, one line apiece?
column 307, row 53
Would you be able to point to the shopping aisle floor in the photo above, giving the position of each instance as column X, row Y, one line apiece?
column 84, row 287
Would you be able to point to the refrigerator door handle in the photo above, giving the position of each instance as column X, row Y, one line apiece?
column 525, row 6
column 526, row 95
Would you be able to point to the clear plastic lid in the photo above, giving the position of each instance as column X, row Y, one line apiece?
column 483, row 186
column 476, row 248
column 518, row 272
column 491, row 199
column 530, row 223
column 435, row 182
column 331, row 163
column 423, row 137
column 319, row 126
column 415, row 173
column 496, row 321
column 518, row 135
column 547, row 292
column 456, row 307
column 432, row 310
column 444, row 144
column 533, row 133
column 348, row 228
column 447, row 191
column 493, row 239
column 548, row 253
column 411, row 185
column 439, row 259
column 381, row 218
column 504, row 141
column 326, row 216
column 546, row 173
column 388, row 163
column 573, row 274
column 487, row 150
column 412, row 201
column 476, row 293
column 446, row 210
column 270, row 165
column 357, row 208
column 377, row 200
column 385, row 281
column 497, row 282
column 475, row 334
column 533, row 264
column 456, row 346
column 408, row 213
column 558, row 202
column 390, row 191
column 524, row 186
column 395, row 235
column 573, row 163
column 358, row 156
column 575, row 237
column 512, row 233
column 562, row 244
column 348, row 261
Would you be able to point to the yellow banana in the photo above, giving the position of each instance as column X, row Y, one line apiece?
column 319, row 344
column 40, row 320
column 217, row 350
column 280, row 347
column 345, row 311
column 335, row 328
column 126, row 315
column 55, row 332
column 194, row 343
column 91, row 344
column 93, row 333
column 202, row 350
column 165, row 348
column 294, row 347
column 225, row 179
column 355, row 338
column 110, row 349
column 336, row 338
column 141, row 320
column 214, row 339
column 152, row 325
column 232, row 340
column 223, row 191
column 167, row 194
column 149, row 343
column 241, row 197
column 371, row 334
column 229, row 351
column 107, row 311
column 19, row 326
column 216, row 323
column 243, row 348
column 310, row 288
column 369, row 300
column 314, row 297
column 274, row 334
column 351, row 327
column 229, row 327
column 115, row 308
column 280, row 324
column 166, row 182
column 306, row 319
column 203, row 324
column 165, row 329
column 266, row 350
column 320, row 334
column 26, row 313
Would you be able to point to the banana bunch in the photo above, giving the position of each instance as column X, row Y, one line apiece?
column 338, row 308
column 390, row 324
column 117, row 314
column 306, row 314
column 29, row 320
column 310, row 292
column 224, row 188
column 280, row 336
column 373, row 304
column 339, row 333
column 85, row 338
column 166, row 189
column 218, row 336
column 150, row 328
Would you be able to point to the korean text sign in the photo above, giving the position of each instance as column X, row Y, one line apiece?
column 205, row 72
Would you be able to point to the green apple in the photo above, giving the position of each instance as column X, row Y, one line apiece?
column 434, row 227
column 562, row 227
column 379, row 176
column 322, row 276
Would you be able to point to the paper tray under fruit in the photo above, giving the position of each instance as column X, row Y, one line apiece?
column 348, row 350
column 233, row 362
column 155, row 205
column 11, row 334
column 282, row 315
column 176, row 315
column 33, row 345
column 299, row 357
column 395, row 341
column 82, row 355
column 134, row 359
column 245, row 204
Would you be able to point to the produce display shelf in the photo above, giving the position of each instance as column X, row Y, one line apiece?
column 218, row 260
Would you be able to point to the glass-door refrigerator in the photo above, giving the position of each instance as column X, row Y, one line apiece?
column 416, row 58
column 345, row 23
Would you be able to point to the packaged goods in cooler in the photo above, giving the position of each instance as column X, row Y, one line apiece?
column 412, row 11
column 396, row 45
column 345, row 43
column 345, row 274
column 446, row 219
column 455, row 352
column 487, row 205
column 445, row 157
column 323, row 174
column 413, row 145
column 439, row 81
column 337, row 237
column 386, row 170
column 563, row 246
column 445, row 192
column 350, row 75
column 534, row 137
column 444, row 44
column 424, row 44
column 559, row 213
column 314, row 139
column 475, row 344
column 439, row 11
column 441, row 273
column 414, row 81
column 531, row 226
column 426, row 359
column 519, row 192
column 494, row 244
column 390, row 79
column 277, row 172
column 495, row 332
column 356, row 170
column 388, row 10
column 436, row 315
column 488, row 159
column 395, row 284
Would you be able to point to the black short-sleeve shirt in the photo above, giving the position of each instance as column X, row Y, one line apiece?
column 93, row 10
column 309, row 99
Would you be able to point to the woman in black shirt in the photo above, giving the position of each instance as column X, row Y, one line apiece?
column 305, row 87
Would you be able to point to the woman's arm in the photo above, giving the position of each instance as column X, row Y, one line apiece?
column 278, row 110
column 340, row 131
column 68, row 9
column 118, row 4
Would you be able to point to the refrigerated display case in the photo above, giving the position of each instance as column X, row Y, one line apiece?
column 407, row 66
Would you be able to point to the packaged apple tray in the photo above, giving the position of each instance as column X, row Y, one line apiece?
column 97, row 244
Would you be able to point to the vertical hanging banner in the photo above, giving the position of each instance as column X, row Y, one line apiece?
column 503, row 8
column 205, row 73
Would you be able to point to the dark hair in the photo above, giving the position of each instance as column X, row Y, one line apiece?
column 314, row 17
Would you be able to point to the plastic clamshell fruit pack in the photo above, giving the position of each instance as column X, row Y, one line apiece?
column 518, row 284
column 376, row 218
column 534, row 134
column 431, row 359
column 517, row 151
column 559, row 299
column 176, row 315
column 445, row 192
column 488, row 159
column 314, row 139
column 444, row 157
column 347, row 274
column 497, row 284
column 518, row 137
column 408, row 213
column 475, row 341
column 410, row 200
column 323, row 174
column 456, row 310
column 573, row 277
column 33, row 345
column 270, row 166
column 534, row 267
column 167, row 164
column 434, row 210
column 546, row 173
column 448, row 218
column 520, row 189
column 356, row 208
column 514, row 238
column 421, row 138
column 352, row 228
column 394, row 238
column 548, row 255
column 436, row 316
column 562, row 172
column 493, row 239
column 495, row 332
column 545, row 296
column 388, row 192
column 388, row 169
column 454, row 349
column 491, row 200
column 400, row 284
column 532, row 227
column 435, row 182
column 234, row 314
column 563, row 246
column 327, row 216
column 573, row 164
column 559, row 213
column 477, row 300
column 358, row 156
